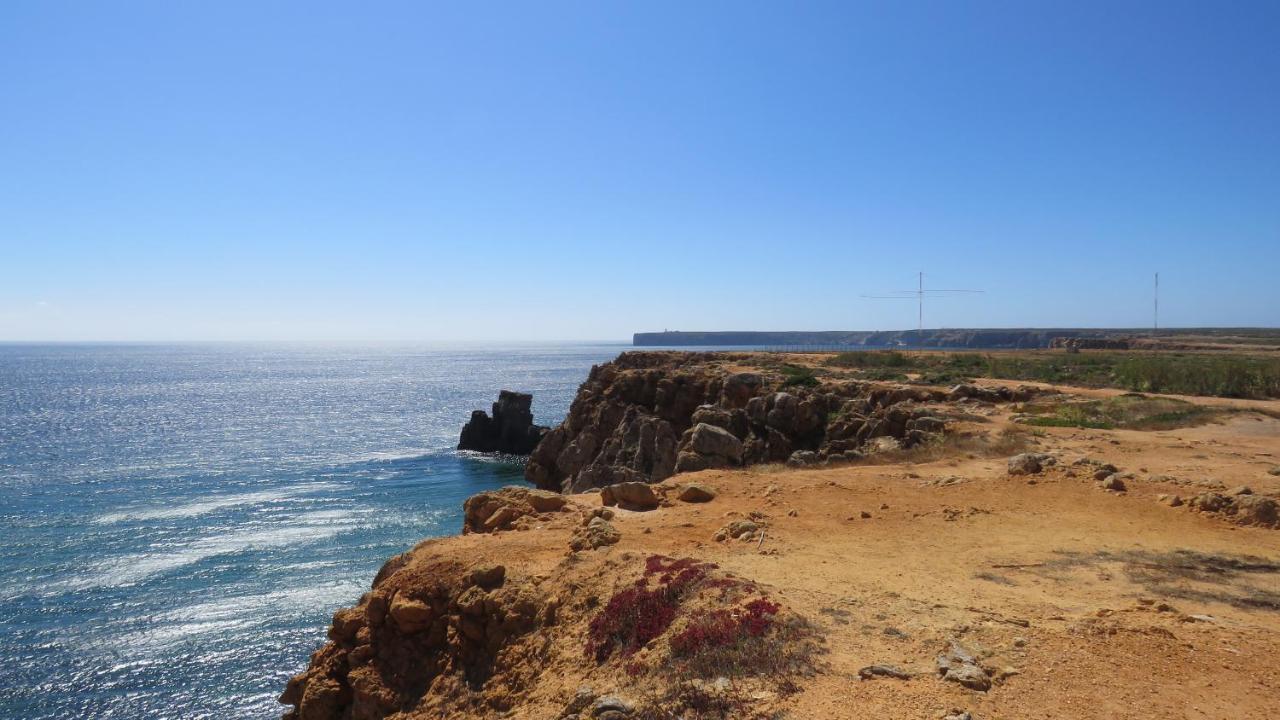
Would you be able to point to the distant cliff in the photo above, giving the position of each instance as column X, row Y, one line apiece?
column 1004, row 338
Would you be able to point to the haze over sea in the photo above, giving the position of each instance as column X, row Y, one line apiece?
column 179, row 522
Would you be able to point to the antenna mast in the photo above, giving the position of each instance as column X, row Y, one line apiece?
column 1155, row 316
column 919, row 294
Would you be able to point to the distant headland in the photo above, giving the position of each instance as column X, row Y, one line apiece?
column 970, row 338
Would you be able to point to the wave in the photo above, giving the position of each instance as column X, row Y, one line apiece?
column 208, row 505
column 135, row 568
column 240, row 613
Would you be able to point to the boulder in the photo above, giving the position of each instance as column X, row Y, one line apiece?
column 1112, row 482
column 735, row 421
column 1256, row 510
column 410, row 615
column 696, row 493
column 782, row 414
column 1104, row 471
column 711, row 441
column 510, row 430
column 597, row 533
column 927, row 424
column 1025, row 464
column 630, row 496
column 803, row 458
column 958, row 665
column 497, row 510
column 688, row 461
column 611, row 706
column 489, row 576
column 739, row 388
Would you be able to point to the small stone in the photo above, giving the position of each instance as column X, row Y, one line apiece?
column 865, row 515
column 741, row 528
column 1242, row 490
column 873, row 671
column 1112, row 482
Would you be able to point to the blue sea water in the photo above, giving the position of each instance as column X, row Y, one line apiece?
column 178, row 523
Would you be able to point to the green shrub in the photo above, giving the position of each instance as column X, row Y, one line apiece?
column 797, row 376
column 870, row 358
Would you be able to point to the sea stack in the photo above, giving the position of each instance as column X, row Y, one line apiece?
column 510, row 430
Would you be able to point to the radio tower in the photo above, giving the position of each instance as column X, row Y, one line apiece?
column 1155, row 310
column 919, row 294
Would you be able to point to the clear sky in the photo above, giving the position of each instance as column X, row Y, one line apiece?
column 555, row 171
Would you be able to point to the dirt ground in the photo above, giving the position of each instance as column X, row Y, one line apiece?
column 1085, row 603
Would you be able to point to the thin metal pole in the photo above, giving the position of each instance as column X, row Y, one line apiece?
column 1155, row 317
column 920, row 294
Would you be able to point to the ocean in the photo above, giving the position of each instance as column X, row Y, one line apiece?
column 179, row 522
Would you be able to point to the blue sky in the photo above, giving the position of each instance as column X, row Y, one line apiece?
column 557, row 171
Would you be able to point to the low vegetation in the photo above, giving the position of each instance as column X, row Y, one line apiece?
column 714, row 628
column 799, row 376
column 1216, row 374
column 1131, row 411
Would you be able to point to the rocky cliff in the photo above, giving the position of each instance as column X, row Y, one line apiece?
column 975, row 575
column 647, row 416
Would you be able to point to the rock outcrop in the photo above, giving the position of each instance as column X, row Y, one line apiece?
column 430, row 630
column 505, row 509
column 649, row 415
column 510, row 430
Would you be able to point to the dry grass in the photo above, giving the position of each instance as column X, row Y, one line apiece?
column 1006, row 442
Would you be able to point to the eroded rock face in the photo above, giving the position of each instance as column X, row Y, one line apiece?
column 649, row 415
column 417, row 635
column 510, row 430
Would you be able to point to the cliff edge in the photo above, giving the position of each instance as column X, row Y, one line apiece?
column 990, row 570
